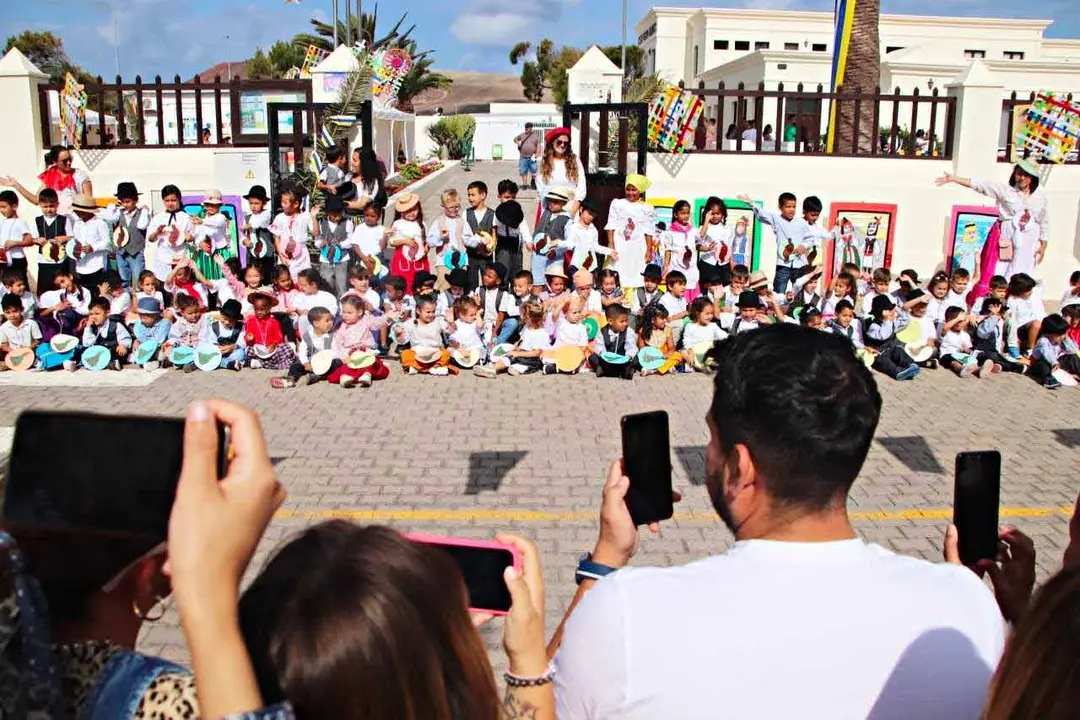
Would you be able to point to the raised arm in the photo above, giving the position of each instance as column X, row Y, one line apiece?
column 12, row 182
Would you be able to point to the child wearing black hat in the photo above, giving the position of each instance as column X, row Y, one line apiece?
column 332, row 233
column 495, row 305
column 750, row 309
column 511, row 232
column 257, row 237
column 228, row 335
column 645, row 296
column 129, row 222
column 890, row 357
column 458, row 280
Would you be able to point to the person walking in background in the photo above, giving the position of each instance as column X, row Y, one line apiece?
column 528, row 145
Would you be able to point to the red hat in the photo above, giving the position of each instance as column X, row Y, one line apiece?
column 553, row 133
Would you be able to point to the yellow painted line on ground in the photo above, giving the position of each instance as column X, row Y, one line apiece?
column 440, row 515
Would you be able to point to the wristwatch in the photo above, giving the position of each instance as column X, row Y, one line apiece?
column 589, row 570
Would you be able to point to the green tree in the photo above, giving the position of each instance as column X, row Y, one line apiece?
column 284, row 56
column 47, row 52
column 362, row 27
column 545, row 70
column 259, row 67
column 635, row 61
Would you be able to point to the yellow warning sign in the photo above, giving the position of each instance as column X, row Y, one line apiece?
column 250, row 175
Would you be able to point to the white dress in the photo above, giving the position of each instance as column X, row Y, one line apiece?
column 559, row 178
column 631, row 223
column 677, row 243
column 1025, row 220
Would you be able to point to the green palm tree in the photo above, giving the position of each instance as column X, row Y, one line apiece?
column 420, row 78
column 362, row 27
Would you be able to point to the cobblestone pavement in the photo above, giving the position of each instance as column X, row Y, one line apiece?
column 466, row 456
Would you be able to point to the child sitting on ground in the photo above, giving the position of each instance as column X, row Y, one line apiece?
column 495, row 304
column 657, row 334
column 149, row 327
column 264, row 337
column 1026, row 312
column 957, row 351
column 615, row 338
column 991, row 334
column 591, row 302
column 569, row 331
column 100, row 330
column 458, row 285
column 700, row 331
column 17, row 331
column 607, row 282
column 189, row 329
column 313, row 295
column 890, row 358
column 1054, row 351
column 227, row 333
column 317, row 339
column 881, row 280
column 357, row 333
column 466, row 334
column 424, row 336
column 750, row 314
column 525, row 357
column 645, row 296
column 397, row 307
column 116, row 291
column 64, row 309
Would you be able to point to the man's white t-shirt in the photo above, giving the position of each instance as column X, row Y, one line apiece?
column 783, row 630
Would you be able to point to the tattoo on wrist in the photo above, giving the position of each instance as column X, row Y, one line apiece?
column 515, row 708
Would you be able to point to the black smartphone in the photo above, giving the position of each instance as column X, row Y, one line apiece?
column 646, row 455
column 976, row 496
column 112, row 474
column 482, row 564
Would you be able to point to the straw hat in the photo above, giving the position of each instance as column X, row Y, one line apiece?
column 407, row 202
column 213, row 197
column 85, row 203
column 555, row 269
column 1029, row 166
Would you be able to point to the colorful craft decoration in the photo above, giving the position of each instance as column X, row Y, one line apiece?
column 388, row 68
column 1049, row 128
column 673, row 117
column 72, row 111
column 312, row 57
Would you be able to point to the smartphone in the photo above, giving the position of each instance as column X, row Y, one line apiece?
column 646, row 455
column 482, row 563
column 976, row 496
column 112, row 474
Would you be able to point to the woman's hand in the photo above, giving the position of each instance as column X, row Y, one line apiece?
column 523, row 631
column 945, row 179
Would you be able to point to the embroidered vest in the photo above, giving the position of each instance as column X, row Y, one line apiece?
column 326, row 341
column 614, row 343
column 484, row 224
column 229, row 337
column 106, row 336
column 136, row 237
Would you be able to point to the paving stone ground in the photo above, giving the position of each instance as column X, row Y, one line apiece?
column 469, row 457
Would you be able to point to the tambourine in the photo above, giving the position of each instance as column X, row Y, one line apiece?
column 788, row 249
column 53, row 252
column 146, row 352
column 455, row 260
column 466, row 357
column 20, row 359
column 650, row 358
column 614, row 358
column 73, row 249
column 62, row 344
column 322, row 361
column 1064, row 377
column 910, row 335
column 567, row 358
column 699, row 355
column 361, row 359
column 96, row 358
column 262, row 352
column 919, row 353
column 592, row 326
column 207, row 357
column 182, row 355
column 120, row 236
column 262, row 244
column 331, row 254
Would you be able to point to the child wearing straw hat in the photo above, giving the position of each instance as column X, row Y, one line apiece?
column 407, row 238
column 91, row 243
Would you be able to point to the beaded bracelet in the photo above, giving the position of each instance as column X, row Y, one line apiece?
column 518, row 681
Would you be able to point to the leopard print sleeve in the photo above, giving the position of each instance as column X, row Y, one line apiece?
column 172, row 697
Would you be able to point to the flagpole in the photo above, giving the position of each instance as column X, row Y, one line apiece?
column 335, row 24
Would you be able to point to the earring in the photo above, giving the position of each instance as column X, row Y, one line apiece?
column 160, row 605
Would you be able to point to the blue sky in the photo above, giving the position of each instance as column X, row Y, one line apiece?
column 185, row 36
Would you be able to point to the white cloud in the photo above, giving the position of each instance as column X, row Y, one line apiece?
column 488, row 22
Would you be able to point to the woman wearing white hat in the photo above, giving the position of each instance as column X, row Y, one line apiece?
column 1017, row 241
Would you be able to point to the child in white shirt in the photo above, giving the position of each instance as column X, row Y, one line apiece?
column 170, row 230
column 679, row 247
column 291, row 229
column 700, row 330
column 582, row 240
column 957, row 352
column 369, row 237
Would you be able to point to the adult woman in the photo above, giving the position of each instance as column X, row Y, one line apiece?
column 1017, row 241
column 368, row 176
column 631, row 231
column 560, row 167
column 60, row 175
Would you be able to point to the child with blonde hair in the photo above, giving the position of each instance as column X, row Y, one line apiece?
column 446, row 236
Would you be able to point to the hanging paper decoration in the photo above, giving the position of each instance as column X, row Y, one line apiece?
column 312, row 57
column 345, row 121
column 72, row 111
column 388, row 68
column 326, row 138
column 673, row 117
column 1049, row 128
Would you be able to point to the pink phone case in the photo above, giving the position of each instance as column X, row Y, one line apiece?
column 469, row 542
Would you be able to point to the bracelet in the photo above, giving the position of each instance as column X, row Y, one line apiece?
column 518, row 681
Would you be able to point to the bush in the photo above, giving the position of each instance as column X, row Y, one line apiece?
column 454, row 133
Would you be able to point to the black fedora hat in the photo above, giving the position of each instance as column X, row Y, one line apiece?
column 257, row 192
column 232, row 310
column 126, row 190
column 510, row 213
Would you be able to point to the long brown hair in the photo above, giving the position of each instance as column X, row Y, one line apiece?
column 360, row 623
column 1039, row 674
column 547, row 164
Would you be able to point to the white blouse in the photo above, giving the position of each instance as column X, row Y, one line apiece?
column 631, row 223
column 559, row 178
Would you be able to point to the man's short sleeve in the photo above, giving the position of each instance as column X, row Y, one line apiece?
column 591, row 664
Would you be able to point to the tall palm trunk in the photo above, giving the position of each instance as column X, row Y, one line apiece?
column 862, row 72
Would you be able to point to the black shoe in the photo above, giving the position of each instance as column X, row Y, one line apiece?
column 550, row 369
column 115, row 365
column 190, row 368
column 600, row 370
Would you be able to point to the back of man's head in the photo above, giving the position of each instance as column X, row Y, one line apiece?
column 803, row 406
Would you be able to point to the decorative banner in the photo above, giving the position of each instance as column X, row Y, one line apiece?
column 845, row 19
column 1049, row 128
column 673, row 118
column 312, row 57
column 72, row 103
column 862, row 235
column 746, row 242
column 968, row 228
column 388, row 68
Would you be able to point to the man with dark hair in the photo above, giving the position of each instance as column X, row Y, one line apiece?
column 801, row 618
column 528, row 145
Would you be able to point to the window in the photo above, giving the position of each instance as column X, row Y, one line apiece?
column 697, row 59
column 720, row 44
column 742, row 44
column 791, row 46
column 893, row 48
column 972, row 54
column 781, row 66
column 1014, row 55
column 818, row 47
column 761, row 45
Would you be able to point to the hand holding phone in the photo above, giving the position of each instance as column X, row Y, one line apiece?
column 482, row 564
column 976, row 497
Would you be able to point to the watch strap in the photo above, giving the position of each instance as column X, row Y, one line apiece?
column 589, row 570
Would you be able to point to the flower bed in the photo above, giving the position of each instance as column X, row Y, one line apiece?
column 409, row 173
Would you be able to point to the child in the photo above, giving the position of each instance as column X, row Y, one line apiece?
column 333, row 177
column 407, row 238
column 360, row 285
column 423, row 284
column 790, row 252
column 368, row 240
column 227, row 333
column 679, row 244
column 333, row 233
column 446, row 237
column 907, row 283
column 740, row 281
column 53, row 232
column 701, row 330
column 495, row 305
column 610, row 293
column 424, row 336
column 1053, row 351
column 357, row 331
column 957, row 352
column 312, row 295
column 881, row 279
column 92, row 243
column 16, row 331
column 938, row 286
column 479, row 218
column 465, row 333
column 14, row 233
column 714, row 241
column 991, row 335
column 811, row 317
column 263, row 335
column 15, row 284
column 958, row 283
column 182, row 281
column 170, row 231
column 814, row 236
column 843, row 288
column 150, row 327
column 257, row 227
column 568, row 314
column 890, row 357
column 915, row 312
column 582, row 240
column 525, row 357
column 674, row 301
column 656, row 333
column 231, row 284
column 749, row 318
column 100, row 330
column 115, row 290
column 318, row 338
column 547, row 246
column 1025, row 310
column 284, row 293
column 1071, row 295
column 615, row 337
column 126, row 213
column 591, row 303
column 642, row 297
column 458, row 283
column 188, row 330
column 63, row 310
column 148, row 287
column 291, row 229
column 397, row 307
column 632, row 232
column 843, row 323
column 1071, row 313
column 806, row 295
column 253, row 280
column 511, row 229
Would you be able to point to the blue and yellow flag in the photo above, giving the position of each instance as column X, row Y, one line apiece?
column 845, row 19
